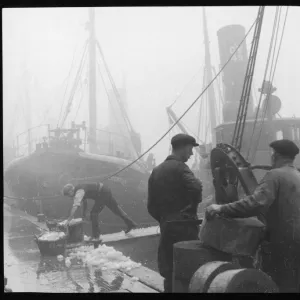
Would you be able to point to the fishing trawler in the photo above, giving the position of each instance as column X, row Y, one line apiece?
column 49, row 157
column 250, row 129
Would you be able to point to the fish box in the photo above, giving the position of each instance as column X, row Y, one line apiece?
column 240, row 237
column 51, row 243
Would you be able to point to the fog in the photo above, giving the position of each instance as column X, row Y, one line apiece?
column 153, row 52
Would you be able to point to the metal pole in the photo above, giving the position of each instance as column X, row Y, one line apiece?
column 211, row 93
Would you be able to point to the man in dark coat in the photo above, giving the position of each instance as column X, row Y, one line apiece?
column 174, row 194
column 102, row 196
column 276, row 201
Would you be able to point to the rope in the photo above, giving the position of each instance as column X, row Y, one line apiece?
column 77, row 77
column 166, row 133
column 265, row 111
column 185, row 87
column 34, row 198
column 265, row 75
column 113, row 108
column 66, row 88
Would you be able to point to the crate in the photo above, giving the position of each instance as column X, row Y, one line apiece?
column 51, row 248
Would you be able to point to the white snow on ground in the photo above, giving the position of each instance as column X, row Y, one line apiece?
column 52, row 236
column 72, row 222
column 104, row 258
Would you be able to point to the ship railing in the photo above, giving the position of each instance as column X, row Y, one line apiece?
column 25, row 142
column 112, row 144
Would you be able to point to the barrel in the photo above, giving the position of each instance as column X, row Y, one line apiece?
column 242, row 281
column 204, row 276
column 188, row 256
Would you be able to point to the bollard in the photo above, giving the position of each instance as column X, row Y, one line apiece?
column 242, row 281
column 204, row 276
column 188, row 256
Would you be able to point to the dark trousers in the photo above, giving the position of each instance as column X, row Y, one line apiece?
column 106, row 199
column 282, row 263
column 169, row 235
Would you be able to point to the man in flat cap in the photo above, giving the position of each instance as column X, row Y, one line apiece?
column 174, row 194
column 276, row 201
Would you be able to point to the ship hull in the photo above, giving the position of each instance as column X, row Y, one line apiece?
column 44, row 174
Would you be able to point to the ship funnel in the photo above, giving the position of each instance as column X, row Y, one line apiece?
column 229, row 37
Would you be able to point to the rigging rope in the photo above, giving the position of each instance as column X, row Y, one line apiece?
column 265, row 111
column 77, row 78
column 263, row 85
column 185, row 87
column 185, row 112
column 68, row 77
column 112, row 106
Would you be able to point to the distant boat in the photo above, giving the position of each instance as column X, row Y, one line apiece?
column 56, row 156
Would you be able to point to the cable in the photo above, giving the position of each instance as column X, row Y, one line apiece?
column 166, row 133
column 185, row 87
column 77, row 77
column 34, row 198
column 263, row 85
column 280, row 43
column 66, row 87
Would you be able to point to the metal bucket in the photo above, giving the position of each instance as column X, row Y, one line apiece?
column 51, row 248
column 75, row 232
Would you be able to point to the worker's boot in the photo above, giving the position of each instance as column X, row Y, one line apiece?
column 130, row 225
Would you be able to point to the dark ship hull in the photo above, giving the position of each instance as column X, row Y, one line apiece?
column 42, row 174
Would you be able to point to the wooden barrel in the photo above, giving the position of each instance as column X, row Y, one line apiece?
column 204, row 276
column 242, row 281
column 188, row 256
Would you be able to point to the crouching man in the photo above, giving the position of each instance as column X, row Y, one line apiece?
column 102, row 196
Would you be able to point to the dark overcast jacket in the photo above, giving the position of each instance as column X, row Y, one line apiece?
column 172, row 187
column 277, row 201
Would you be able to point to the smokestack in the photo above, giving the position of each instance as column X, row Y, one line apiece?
column 229, row 37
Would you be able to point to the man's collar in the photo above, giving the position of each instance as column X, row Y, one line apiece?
column 284, row 162
column 173, row 157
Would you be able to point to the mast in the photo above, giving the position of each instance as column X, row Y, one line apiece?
column 211, row 93
column 92, row 81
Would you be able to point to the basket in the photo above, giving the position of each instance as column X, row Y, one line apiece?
column 51, row 248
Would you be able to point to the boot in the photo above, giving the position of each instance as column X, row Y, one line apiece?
column 130, row 226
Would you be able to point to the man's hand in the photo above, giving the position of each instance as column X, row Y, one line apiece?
column 212, row 211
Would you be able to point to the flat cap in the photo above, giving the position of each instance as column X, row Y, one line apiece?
column 285, row 148
column 183, row 139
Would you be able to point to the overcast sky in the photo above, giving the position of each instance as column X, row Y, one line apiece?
column 153, row 51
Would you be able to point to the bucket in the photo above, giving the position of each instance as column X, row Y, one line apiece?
column 51, row 248
column 75, row 232
column 188, row 256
